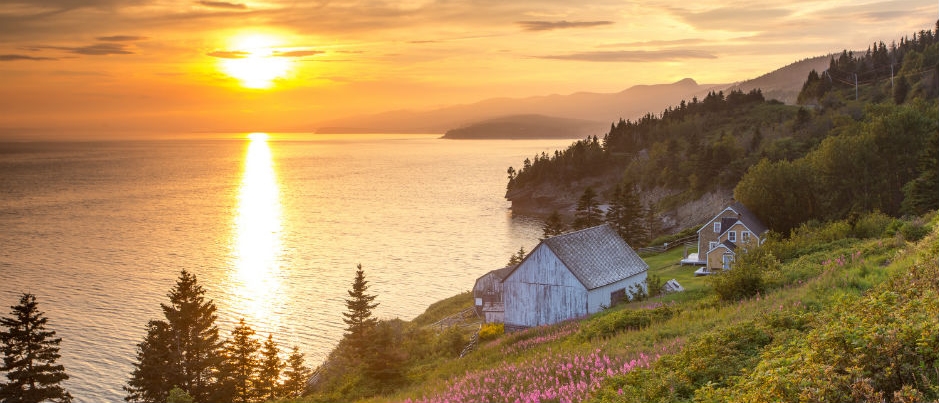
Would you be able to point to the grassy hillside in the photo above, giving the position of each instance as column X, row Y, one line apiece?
column 847, row 310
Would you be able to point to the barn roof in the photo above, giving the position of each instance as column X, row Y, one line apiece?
column 596, row 256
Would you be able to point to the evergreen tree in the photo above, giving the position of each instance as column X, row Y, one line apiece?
column 626, row 216
column 588, row 213
column 553, row 226
column 358, row 319
column 178, row 395
column 517, row 257
column 271, row 367
column 153, row 370
column 295, row 375
column 184, row 350
column 242, row 363
column 29, row 355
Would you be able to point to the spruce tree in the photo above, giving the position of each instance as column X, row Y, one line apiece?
column 588, row 213
column 553, row 226
column 295, row 375
column 242, row 363
column 517, row 257
column 626, row 216
column 29, row 355
column 183, row 351
column 358, row 319
column 269, row 373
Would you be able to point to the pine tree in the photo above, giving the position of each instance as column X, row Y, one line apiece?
column 270, row 369
column 359, row 318
column 242, row 363
column 553, row 226
column 517, row 257
column 295, row 375
column 184, row 350
column 626, row 216
column 29, row 355
column 588, row 213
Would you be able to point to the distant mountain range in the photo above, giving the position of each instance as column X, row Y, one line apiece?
column 524, row 116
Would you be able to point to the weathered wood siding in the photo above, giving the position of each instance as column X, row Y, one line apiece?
column 600, row 297
column 487, row 292
column 542, row 291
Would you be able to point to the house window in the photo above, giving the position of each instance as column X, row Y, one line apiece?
column 617, row 296
column 732, row 236
column 745, row 236
column 717, row 228
column 712, row 245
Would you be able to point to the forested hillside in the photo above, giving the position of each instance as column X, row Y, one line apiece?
column 847, row 149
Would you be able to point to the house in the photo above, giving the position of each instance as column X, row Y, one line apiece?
column 487, row 293
column 570, row 276
column 719, row 238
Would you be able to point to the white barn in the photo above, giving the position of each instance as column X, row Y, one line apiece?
column 570, row 276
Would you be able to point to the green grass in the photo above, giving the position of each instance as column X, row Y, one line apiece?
column 666, row 266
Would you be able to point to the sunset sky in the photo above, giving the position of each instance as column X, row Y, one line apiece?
column 276, row 65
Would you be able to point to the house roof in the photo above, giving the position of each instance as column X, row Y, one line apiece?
column 744, row 215
column 597, row 256
column 729, row 245
column 749, row 219
column 500, row 274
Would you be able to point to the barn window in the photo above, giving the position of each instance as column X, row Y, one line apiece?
column 617, row 296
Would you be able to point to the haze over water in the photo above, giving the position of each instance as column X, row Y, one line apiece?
column 272, row 228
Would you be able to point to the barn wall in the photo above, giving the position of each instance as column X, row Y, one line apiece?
column 598, row 297
column 487, row 294
column 542, row 291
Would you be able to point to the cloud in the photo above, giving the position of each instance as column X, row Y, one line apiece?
column 552, row 25
column 10, row 58
column 732, row 18
column 638, row 56
column 298, row 53
column 229, row 54
column 121, row 38
column 98, row 49
column 101, row 49
column 654, row 43
column 223, row 4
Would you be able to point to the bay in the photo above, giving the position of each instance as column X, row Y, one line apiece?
column 273, row 229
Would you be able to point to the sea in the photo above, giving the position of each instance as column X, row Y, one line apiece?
column 272, row 225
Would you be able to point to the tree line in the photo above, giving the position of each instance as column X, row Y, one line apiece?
column 183, row 357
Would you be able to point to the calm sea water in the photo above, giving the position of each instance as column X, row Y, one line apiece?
column 273, row 229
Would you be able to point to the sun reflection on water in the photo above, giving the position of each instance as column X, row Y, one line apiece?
column 257, row 244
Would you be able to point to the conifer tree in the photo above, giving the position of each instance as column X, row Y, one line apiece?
column 295, row 375
column 626, row 216
column 553, row 226
column 29, row 355
column 358, row 318
column 588, row 213
column 517, row 257
column 270, row 369
column 242, row 363
column 183, row 351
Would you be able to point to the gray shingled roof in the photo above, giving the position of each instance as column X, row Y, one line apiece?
column 596, row 256
column 749, row 219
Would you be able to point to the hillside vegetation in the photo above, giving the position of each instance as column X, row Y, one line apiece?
column 860, row 148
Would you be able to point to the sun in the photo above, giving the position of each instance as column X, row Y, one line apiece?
column 255, row 62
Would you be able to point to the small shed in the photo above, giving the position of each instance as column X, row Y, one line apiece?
column 487, row 293
column 570, row 276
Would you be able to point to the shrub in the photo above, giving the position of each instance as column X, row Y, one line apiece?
column 914, row 230
column 490, row 331
column 872, row 225
column 616, row 321
column 746, row 278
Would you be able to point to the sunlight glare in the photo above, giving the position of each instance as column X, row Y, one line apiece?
column 257, row 247
column 260, row 65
